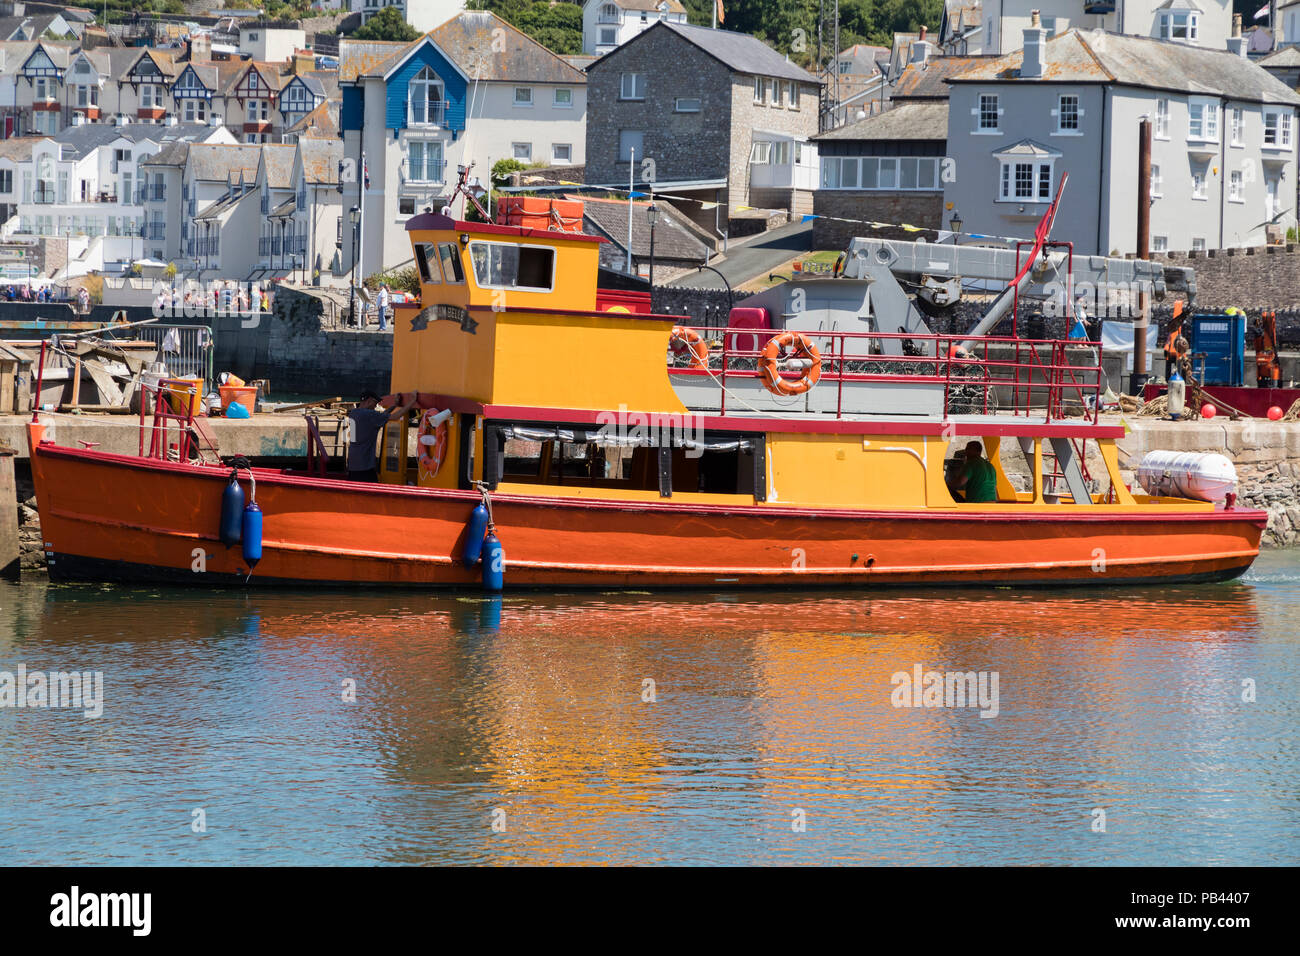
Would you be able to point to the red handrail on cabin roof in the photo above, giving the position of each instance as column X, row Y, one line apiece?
column 437, row 222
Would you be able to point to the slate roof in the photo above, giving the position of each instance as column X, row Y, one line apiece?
column 278, row 160
column 18, row 148
column 740, row 52
column 467, row 39
column 215, row 161
column 364, row 57
column 673, row 240
column 920, row 120
column 926, row 80
column 320, row 160
column 173, row 154
column 1285, row 58
column 1093, row 56
column 80, row 140
column 320, row 123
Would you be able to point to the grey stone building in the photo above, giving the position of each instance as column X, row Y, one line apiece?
column 718, row 117
column 1223, row 146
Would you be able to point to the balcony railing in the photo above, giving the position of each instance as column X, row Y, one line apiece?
column 210, row 246
column 607, row 18
column 435, row 115
column 43, row 194
column 430, row 171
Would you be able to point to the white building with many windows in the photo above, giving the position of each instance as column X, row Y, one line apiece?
column 424, row 15
column 608, row 24
column 1223, row 151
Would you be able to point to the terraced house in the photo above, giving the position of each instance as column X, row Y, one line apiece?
column 1223, row 153
column 473, row 90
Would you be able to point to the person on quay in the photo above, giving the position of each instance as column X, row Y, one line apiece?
column 383, row 303
column 367, row 421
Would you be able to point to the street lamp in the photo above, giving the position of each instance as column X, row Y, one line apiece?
column 354, row 217
column 652, row 215
column 955, row 222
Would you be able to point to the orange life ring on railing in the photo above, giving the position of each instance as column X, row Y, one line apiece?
column 772, row 353
column 432, row 440
column 684, row 338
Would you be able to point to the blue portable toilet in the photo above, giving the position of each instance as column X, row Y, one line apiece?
column 1222, row 337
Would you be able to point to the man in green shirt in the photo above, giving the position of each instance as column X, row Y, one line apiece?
column 977, row 477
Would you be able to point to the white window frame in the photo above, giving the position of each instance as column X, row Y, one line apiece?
column 555, row 157
column 1198, row 243
column 512, row 288
column 1208, row 122
column 428, row 90
column 679, row 108
column 881, row 173
column 150, row 96
column 526, row 148
column 562, row 104
column 760, row 91
column 1199, row 191
column 981, row 114
column 1174, row 21
column 760, row 153
column 1162, row 119
column 525, row 102
column 1236, row 186
column 425, row 145
column 637, row 80
column 1077, row 112
column 1009, row 170
column 1236, row 123
column 1157, row 182
column 608, row 36
column 1159, row 243
column 1278, row 125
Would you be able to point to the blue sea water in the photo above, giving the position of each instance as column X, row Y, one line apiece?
column 1134, row 726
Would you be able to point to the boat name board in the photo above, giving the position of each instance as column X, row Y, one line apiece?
column 447, row 313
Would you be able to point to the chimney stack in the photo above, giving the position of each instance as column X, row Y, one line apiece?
column 1236, row 42
column 1035, row 53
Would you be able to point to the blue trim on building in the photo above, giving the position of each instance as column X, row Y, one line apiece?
column 352, row 113
column 454, row 88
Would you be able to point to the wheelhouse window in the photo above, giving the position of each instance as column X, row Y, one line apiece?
column 425, row 99
column 506, row 265
column 426, row 260
column 449, row 254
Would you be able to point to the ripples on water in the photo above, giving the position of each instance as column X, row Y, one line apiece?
column 1127, row 700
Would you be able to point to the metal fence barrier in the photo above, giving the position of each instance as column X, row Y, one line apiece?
column 186, row 350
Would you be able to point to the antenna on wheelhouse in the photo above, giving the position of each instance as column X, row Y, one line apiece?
column 471, row 190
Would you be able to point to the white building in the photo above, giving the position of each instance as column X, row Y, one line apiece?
column 270, row 41
column 424, row 15
column 88, row 183
column 419, row 110
column 1203, row 23
column 608, row 24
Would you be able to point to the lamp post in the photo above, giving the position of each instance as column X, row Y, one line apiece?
column 652, row 215
column 354, row 217
column 730, row 298
column 954, row 221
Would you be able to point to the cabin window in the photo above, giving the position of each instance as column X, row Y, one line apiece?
column 451, row 269
column 504, row 265
column 664, row 456
column 426, row 259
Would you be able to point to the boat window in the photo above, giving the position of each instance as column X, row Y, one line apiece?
column 713, row 463
column 450, row 256
column 504, row 265
column 426, row 258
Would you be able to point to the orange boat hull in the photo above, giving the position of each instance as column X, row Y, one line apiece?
column 112, row 517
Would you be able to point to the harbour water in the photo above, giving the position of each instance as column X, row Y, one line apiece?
column 649, row 728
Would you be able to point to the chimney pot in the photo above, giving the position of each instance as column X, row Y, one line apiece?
column 1034, row 19
column 921, row 35
column 1236, row 24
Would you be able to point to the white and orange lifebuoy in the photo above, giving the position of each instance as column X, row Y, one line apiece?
column 689, row 339
column 432, row 440
column 807, row 354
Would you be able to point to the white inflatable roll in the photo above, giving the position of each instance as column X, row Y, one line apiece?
column 1187, row 474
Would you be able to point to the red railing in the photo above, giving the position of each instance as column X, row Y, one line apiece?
column 1047, row 376
column 164, row 415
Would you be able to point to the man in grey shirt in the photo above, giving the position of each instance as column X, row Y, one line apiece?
column 368, row 420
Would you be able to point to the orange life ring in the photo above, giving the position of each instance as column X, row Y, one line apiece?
column 690, row 339
column 773, row 352
column 434, row 449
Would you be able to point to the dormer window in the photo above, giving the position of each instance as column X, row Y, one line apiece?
column 425, row 101
column 1179, row 25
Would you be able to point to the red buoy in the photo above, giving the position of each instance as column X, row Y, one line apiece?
column 1208, row 410
column 1274, row 414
